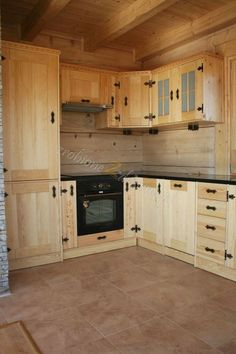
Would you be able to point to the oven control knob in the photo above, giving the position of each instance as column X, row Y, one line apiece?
column 100, row 186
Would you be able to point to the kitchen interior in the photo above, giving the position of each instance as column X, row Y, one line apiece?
column 118, row 176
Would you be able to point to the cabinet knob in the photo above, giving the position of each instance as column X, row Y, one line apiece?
column 208, row 207
column 213, row 191
column 209, row 227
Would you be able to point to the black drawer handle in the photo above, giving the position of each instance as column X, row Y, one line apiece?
column 210, row 207
column 209, row 249
column 83, row 100
column 211, row 191
column 101, row 237
column 178, row 185
column 209, row 227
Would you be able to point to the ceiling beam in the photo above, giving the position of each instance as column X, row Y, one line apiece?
column 213, row 21
column 134, row 15
column 41, row 15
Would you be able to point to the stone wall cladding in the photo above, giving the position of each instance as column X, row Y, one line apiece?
column 4, row 285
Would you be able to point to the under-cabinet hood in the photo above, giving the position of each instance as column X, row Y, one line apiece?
column 84, row 107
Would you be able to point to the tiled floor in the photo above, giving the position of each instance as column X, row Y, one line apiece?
column 130, row 301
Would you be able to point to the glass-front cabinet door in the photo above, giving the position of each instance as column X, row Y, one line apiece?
column 191, row 91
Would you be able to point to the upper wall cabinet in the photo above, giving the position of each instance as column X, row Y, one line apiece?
column 190, row 91
column 135, row 99
column 30, row 100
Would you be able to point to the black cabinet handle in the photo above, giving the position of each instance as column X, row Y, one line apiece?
column 126, row 101
column 177, row 94
column 86, row 101
column 209, row 227
column 71, row 190
column 209, row 249
column 178, row 185
column 101, row 237
column 52, row 117
column 171, row 95
column 127, row 186
column 159, row 188
column 208, row 207
column 112, row 100
column 54, row 192
column 213, row 191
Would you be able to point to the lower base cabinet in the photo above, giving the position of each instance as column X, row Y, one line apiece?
column 33, row 223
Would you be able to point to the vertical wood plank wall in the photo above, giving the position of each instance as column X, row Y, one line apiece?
column 87, row 150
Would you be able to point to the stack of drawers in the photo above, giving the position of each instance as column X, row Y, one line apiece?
column 211, row 222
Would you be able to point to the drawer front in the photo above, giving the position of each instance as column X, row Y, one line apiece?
column 212, row 191
column 179, row 185
column 212, row 208
column 95, row 239
column 210, row 227
column 211, row 250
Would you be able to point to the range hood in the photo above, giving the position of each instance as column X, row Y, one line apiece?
column 84, row 107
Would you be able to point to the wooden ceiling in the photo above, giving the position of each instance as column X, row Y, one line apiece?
column 148, row 27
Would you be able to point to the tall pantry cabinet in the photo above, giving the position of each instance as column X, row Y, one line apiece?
column 31, row 153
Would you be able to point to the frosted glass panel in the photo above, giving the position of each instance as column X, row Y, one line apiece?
column 160, row 89
column 184, row 82
column 191, row 80
column 160, row 107
column 184, row 102
column 192, row 101
column 166, row 106
column 166, row 88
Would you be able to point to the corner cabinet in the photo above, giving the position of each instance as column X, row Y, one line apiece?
column 190, row 91
column 31, row 154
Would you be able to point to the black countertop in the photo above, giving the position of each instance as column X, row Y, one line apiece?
column 211, row 178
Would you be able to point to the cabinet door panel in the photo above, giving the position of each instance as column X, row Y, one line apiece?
column 152, row 222
column 32, row 217
column 132, row 206
column 80, row 85
column 179, row 217
column 191, row 91
column 135, row 100
column 69, row 214
column 30, row 101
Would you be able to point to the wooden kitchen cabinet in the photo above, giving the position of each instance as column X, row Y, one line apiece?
column 80, row 85
column 33, row 223
column 152, row 210
column 188, row 91
column 179, row 216
column 135, row 95
column 69, row 214
column 132, row 206
column 30, row 119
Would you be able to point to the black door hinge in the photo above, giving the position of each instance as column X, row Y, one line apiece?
column 230, row 196
column 228, row 255
column 149, row 83
column 117, row 117
column 65, row 239
column 135, row 185
column 150, row 116
column 6, row 195
column 135, row 228
column 3, row 58
column 64, row 191
column 200, row 68
column 200, row 109
column 117, row 84
column 8, row 249
column 159, row 188
column 5, row 170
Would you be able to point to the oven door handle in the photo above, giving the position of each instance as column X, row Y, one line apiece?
column 101, row 194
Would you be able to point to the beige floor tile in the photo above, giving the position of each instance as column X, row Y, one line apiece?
column 159, row 336
column 101, row 346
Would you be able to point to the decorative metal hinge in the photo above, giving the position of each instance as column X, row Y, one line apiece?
column 117, row 117
column 64, row 191
column 230, row 196
column 5, row 170
column 200, row 68
column 149, row 83
column 150, row 116
column 228, row 255
column 135, row 185
column 65, row 239
column 200, row 109
column 6, row 195
column 135, row 228
column 3, row 58
column 117, row 84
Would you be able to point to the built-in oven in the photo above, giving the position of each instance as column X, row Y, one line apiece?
column 99, row 204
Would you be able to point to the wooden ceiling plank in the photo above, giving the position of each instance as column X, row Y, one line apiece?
column 213, row 21
column 43, row 12
column 135, row 14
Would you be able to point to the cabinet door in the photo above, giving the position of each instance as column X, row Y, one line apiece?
column 69, row 214
column 132, row 206
column 32, row 218
column 80, row 86
column 152, row 221
column 135, row 99
column 179, row 215
column 231, row 228
column 110, row 94
column 191, row 91
column 31, row 127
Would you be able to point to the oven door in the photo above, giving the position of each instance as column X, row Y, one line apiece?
column 99, row 213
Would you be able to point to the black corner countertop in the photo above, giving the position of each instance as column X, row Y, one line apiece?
column 194, row 177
